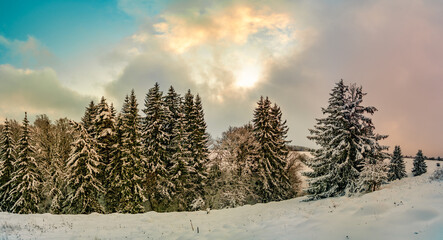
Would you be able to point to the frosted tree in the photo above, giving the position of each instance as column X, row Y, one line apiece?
column 270, row 133
column 44, row 142
column 324, row 180
column 26, row 180
column 155, row 141
column 347, row 144
column 419, row 164
column 374, row 171
column 397, row 165
column 7, row 161
column 89, row 117
column 231, row 182
column 58, row 174
column 179, row 168
column 84, row 168
column 173, row 126
column 115, row 167
column 194, row 151
column 199, row 136
column 132, row 192
column 105, row 137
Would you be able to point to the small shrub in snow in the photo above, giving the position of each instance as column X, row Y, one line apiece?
column 437, row 175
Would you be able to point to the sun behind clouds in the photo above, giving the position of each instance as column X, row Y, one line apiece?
column 238, row 40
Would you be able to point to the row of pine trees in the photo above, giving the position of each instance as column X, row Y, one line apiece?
column 131, row 163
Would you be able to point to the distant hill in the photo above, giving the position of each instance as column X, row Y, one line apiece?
column 299, row 148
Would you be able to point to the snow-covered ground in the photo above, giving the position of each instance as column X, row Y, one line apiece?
column 408, row 209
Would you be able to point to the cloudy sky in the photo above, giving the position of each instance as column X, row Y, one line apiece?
column 56, row 56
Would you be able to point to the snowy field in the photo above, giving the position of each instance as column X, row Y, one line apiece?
column 408, row 209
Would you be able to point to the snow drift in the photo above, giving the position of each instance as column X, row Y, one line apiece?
column 410, row 208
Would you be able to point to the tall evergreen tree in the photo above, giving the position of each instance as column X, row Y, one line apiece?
column 397, row 165
column 44, row 142
column 270, row 132
column 419, row 164
column 26, row 179
column 199, row 136
column 172, row 102
column 131, row 184
column 89, row 117
column 374, row 171
column 83, row 165
column 347, row 144
column 115, row 166
column 179, row 164
column 58, row 175
column 155, row 143
column 193, row 152
column 105, row 137
column 199, row 139
column 7, row 161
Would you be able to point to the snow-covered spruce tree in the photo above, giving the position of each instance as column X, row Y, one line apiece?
column 44, row 142
column 200, row 137
column 7, row 161
column 200, row 153
column 105, row 137
column 179, row 169
column 63, row 133
column 115, row 166
column 132, row 193
column 270, row 132
column 26, row 179
column 113, row 111
column 396, row 166
column 347, row 143
column 155, row 141
column 193, row 153
column 89, row 117
column 172, row 102
column 419, row 164
column 83, row 164
column 374, row 171
column 57, row 184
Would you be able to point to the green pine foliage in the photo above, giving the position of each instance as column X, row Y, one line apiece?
column 115, row 167
column 270, row 132
column 7, row 161
column 26, row 180
column 419, row 164
column 89, row 118
column 397, row 165
column 194, row 152
column 84, row 168
column 104, row 123
column 132, row 190
column 349, row 150
column 155, row 141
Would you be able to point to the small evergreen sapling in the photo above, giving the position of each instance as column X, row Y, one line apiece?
column 397, row 165
column 419, row 164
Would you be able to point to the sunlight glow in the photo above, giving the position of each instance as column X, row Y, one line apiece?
column 248, row 76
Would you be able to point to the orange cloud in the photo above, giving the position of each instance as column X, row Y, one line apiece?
column 231, row 25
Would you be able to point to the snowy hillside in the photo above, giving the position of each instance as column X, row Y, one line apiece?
column 408, row 209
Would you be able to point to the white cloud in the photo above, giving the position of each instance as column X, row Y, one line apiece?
column 29, row 53
column 37, row 92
